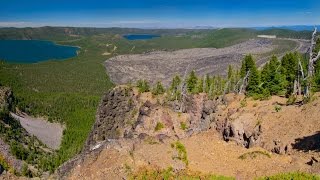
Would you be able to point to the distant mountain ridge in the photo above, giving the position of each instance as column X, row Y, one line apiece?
column 69, row 33
column 293, row 28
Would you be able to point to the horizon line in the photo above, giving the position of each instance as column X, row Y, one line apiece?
column 164, row 27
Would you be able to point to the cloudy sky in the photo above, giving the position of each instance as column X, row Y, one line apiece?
column 157, row 13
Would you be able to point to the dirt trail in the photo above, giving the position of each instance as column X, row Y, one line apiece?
column 48, row 133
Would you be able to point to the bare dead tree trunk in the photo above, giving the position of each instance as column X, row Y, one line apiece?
column 312, row 60
column 301, row 69
column 236, row 88
column 295, row 85
column 297, row 81
column 204, row 87
column 244, row 82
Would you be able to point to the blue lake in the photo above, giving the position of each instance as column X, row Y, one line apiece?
column 32, row 51
column 140, row 36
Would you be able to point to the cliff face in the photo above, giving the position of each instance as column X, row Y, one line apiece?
column 125, row 113
column 135, row 130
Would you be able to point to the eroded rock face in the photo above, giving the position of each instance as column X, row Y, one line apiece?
column 113, row 115
column 125, row 113
column 231, row 122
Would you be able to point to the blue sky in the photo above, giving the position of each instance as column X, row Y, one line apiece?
column 156, row 13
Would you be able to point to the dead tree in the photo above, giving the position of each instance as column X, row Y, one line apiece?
column 236, row 89
column 183, row 89
column 312, row 60
column 204, row 84
column 297, row 87
column 244, row 82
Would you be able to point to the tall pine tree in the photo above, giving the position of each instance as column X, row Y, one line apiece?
column 192, row 82
column 289, row 68
column 248, row 64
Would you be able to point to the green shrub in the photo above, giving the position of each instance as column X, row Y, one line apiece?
column 25, row 171
column 159, row 126
column 183, row 126
column 182, row 152
column 277, row 108
column 158, row 89
column 243, row 103
column 254, row 154
column 4, row 164
column 143, row 86
column 291, row 100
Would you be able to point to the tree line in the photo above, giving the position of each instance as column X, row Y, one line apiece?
column 276, row 77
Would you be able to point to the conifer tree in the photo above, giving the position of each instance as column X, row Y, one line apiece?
column 199, row 88
column 231, row 78
column 230, row 72
column 176, row 81
column 174, row 88
column 143, row 86
column 158, row 89
column 208, row 82
column 248, row 64
column 273, row 81
column 192, row 82
column 289, row 67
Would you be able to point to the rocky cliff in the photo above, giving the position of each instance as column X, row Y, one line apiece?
column 135, row 130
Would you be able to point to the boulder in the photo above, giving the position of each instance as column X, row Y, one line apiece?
column 243, row 130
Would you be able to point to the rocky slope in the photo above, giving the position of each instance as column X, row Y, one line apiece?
column 19, row 151
column 163, row 65
column 233, row 137
column 6, row 98
column 6, row 101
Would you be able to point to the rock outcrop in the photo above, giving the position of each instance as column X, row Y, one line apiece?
column 6, row 98
column 126, row 113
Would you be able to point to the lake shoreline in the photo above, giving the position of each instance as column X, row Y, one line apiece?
column 35, row 51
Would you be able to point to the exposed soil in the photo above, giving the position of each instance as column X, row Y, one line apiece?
column 48, row 133
column 206, row 152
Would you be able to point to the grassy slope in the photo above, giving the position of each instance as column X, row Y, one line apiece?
column 69, row 91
